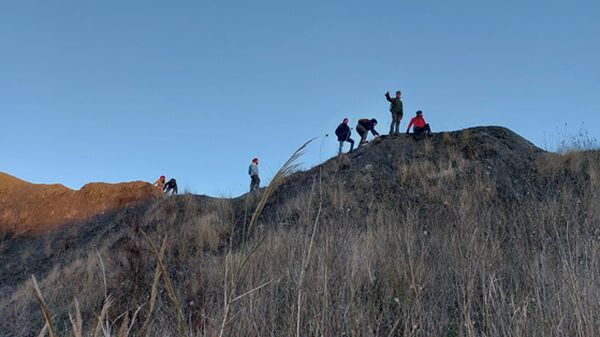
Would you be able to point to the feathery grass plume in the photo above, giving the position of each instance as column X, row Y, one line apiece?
column 288, row 167
column 168, row 284
column 45, row 311
column 154, row 291
column 230, row 287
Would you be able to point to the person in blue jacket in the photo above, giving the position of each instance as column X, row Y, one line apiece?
column 253, row 173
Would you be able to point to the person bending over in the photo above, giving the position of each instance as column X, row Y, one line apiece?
column 363, row 127
column 170, row 186
column 160, row 182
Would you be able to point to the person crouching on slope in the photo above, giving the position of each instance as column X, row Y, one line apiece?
column 170, row 186
column 343, row 133
column 420, row 126
column 363, row 127
column 253, row 172
column 160, row 182
column 397, row 112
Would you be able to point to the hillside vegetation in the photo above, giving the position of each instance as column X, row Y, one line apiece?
column 468, row 233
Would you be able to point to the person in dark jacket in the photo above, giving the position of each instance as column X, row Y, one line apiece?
column 363, row 127
column 396, row 110
column 420, row 126
column 170, row 186
column 343, row 133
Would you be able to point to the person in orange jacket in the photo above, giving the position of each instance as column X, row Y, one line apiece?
column 420, row 126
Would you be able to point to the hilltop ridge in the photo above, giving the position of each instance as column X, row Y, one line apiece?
column 35, row 209
column 30, row 209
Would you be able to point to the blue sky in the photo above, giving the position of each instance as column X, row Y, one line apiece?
column 129, row 90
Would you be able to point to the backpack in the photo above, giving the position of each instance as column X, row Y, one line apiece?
column 338, row 131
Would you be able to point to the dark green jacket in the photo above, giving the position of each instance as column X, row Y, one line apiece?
column 395, row 104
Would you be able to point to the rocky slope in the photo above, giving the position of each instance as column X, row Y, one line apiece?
column 33, row 209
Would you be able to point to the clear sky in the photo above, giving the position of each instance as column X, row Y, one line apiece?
column 129, row 90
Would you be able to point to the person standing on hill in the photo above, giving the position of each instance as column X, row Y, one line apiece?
column 363, row 127
column 396, row 110
column 420, row 126
column 253, row 172
column 343, row 133
column 160, row 182
column 170, row 186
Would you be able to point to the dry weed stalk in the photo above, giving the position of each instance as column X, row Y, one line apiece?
column 305, row 265
column 168, row 283
column 154, row 291
column 103, row 273
column 75, row 319
column 77, row 323
column 124, row 326
column 45, row 310
column 306, row 259
column 103, row 313
column 44, row 330
column 233, row 273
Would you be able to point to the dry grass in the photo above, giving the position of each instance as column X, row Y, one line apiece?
column 446, row 258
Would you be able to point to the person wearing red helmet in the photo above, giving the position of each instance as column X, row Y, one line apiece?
column 253, row 172
column 420, row 126
column 160, row 182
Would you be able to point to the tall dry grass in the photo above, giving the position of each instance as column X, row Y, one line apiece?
column 447, row 257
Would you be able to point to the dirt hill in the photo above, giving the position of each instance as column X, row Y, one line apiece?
column 466, row 233
column 33, row 209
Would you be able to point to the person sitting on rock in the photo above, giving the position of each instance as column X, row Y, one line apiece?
column 420, row 126
column 160, row 182
column 363, row 127
column 170, row 186
column 343, row 133
column 253, row 172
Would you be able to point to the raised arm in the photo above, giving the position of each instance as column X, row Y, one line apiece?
column 387, row 96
